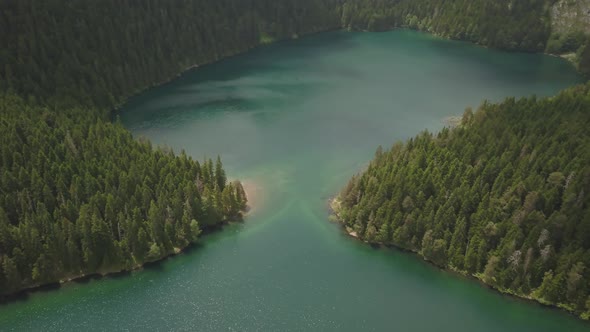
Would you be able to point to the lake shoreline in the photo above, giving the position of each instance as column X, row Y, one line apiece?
column 334, row 207
column 115, row 110
column 250, row 187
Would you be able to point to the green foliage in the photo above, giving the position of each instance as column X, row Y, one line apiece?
column 154, row 252
column 265, row 38
column 504, row 196
column 506, row 24
column 583, row 56
column 91, row 53
column 559, row 44
column 79, row 195
column 195, row 230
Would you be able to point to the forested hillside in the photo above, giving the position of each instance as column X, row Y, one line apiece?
column 532, row 26
column 98, row 53
column 503, row 196
column 80, row 196
column 514, row 25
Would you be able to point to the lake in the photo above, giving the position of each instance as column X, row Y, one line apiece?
column 295, row 120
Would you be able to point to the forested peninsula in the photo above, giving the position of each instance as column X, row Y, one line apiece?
column 79, row 195
column 503, row 197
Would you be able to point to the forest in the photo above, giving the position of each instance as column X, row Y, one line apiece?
column 508, row 25
column 503, row 196
column 511, row 25
column 82, row 196
column 90, row 53
column 79, row 195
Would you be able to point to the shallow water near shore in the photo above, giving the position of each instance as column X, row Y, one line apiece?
column 295, row 120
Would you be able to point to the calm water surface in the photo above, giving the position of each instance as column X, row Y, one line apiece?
column 296, row 120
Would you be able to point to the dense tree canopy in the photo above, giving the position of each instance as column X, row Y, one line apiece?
column 503, row 196
column 79, row 196
column 506, row 24
column 97, row 53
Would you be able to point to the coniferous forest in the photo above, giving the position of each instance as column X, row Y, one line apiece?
column 97, row 54
column 503, row 197
column 79, row 195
